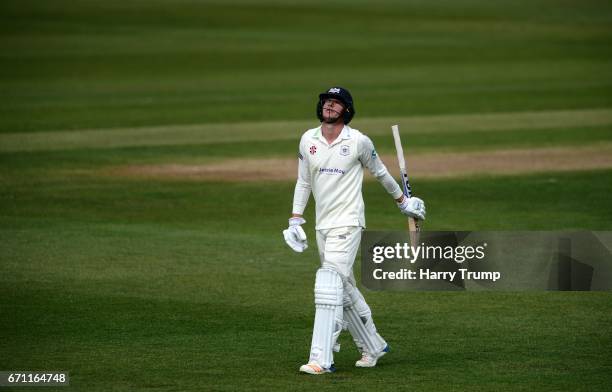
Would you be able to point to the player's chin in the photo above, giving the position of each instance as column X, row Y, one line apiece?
column 331, row 119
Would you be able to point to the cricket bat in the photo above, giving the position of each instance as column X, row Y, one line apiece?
column 413, row 224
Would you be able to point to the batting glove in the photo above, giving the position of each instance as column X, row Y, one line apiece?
column 412, row 206
column 295, row 236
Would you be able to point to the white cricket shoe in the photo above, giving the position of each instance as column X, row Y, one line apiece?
column 369, row 360
column 314, row 368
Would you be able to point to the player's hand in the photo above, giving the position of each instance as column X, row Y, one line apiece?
column 295, row 236
column 412, row 206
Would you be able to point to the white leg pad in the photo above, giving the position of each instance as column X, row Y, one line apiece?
column 360, row 323
column 328, row 316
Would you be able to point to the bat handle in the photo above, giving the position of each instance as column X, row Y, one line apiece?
column 407, row 189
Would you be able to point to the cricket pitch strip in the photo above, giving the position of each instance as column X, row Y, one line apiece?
column 424, row 165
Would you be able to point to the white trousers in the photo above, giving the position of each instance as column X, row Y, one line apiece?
column 338, row 248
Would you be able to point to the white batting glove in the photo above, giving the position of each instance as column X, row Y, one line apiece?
column 295, row 236
column 412, row 206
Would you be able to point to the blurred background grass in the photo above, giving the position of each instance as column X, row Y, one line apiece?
column 87, row 64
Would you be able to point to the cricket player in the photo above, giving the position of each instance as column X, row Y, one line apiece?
column 330, row 166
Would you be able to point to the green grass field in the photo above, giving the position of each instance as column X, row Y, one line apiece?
column 176, row 284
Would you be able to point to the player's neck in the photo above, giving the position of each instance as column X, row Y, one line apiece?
column 331, row 131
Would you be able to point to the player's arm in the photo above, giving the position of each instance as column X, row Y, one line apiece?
column 294, row 235
column 368, row 157
column 303, row 188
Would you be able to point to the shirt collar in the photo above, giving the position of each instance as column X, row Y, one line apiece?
column 344, row 134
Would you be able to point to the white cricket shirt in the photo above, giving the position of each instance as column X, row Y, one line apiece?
column 334, row 174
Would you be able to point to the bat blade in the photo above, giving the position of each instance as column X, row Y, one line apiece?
column 413, row 225
column 398, row 148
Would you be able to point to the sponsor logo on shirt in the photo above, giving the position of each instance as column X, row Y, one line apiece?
column 331, row 170
column 313, row 149
column 374, row 154
column 344, row 150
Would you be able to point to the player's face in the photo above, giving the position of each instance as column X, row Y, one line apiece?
column 332, row 110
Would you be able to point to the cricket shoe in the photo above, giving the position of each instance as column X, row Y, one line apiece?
column 369, row 360
column 314, row 368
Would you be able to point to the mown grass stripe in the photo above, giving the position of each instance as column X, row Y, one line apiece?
column 277, row 130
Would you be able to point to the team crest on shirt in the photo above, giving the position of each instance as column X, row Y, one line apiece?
column 345, row 150
column 313, row 149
